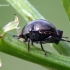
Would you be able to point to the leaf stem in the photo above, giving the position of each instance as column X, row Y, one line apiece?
column 16, row 48
column 26, row 9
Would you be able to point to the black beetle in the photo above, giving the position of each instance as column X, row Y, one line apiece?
column 41, row 31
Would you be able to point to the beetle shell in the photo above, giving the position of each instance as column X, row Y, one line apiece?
column 38, row 25
column 40, row 30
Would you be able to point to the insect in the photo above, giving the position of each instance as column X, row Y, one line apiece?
column 41, row 31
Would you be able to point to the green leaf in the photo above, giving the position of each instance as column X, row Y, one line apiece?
column 63, row 48
column 17, row 48
column 66, row 4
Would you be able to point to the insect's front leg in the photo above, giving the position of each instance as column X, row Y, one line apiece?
column 28, row 44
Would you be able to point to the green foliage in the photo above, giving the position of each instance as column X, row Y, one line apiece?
column 66, row 4
column 63, row 48
column 30, row 13
column 18, row 49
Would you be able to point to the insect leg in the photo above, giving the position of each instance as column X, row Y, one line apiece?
column 28, row 44
column 65, row 40
column 42, row 48
column 61, row 39
column 32, row 43
column 16, row 36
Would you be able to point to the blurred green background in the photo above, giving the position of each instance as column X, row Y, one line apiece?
column 52, row 10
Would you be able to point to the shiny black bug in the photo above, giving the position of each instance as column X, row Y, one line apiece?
column 41, row 31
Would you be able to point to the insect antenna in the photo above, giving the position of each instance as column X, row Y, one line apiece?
column 65, row 37
column 65, row 40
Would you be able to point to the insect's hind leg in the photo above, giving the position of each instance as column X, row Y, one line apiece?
column 32, row 43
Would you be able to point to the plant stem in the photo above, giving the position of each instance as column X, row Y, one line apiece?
column 17, row 48
column 26, row 9
column 63, row 48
